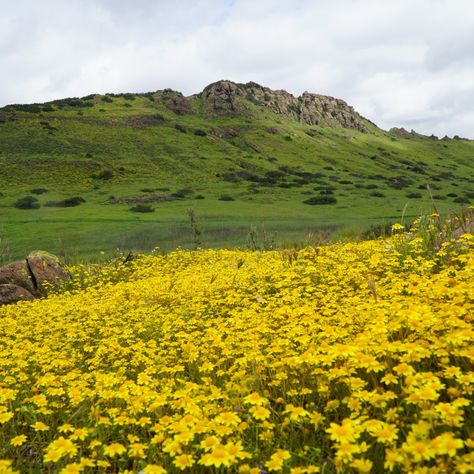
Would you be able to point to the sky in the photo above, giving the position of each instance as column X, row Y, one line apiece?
column 403, row 63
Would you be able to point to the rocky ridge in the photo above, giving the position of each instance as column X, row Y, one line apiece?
column 227, row 98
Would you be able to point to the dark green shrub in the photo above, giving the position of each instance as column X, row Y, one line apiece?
column 398, row 182
column 147, row 190
column 182, row 193
column 452, row 195
column 345, row 181
column 461, row 200
column 414, row 195
column 316, row 200
column 180, row 128
column 200, row 133
column 186, row 191
column 68, row 202
column 377, row 194
column 226, row 197
column 107, row 99
column 199, row 196
column 27, row 202
column 105, row 175
column 38, row 190
column 31, row 108
column 142, row 208
column 288, row 138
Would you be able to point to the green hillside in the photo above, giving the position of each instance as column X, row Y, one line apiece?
column 239, row 155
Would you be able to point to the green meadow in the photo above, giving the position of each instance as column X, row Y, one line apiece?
column 244, row 178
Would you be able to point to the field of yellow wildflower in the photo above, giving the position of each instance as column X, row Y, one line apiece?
column 351, row 357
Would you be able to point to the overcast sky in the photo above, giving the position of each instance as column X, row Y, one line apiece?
column 398, row 62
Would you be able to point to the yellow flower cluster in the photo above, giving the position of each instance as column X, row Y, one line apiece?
column 342, row 358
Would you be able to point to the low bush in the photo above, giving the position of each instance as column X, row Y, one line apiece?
column 226, row 197
column 461, row 200
column 68, row 202
column 105, row 175
column 182, row 193
column 27, row 202
column 38, row 190
column 200, row 133
column 180, row 128
column 414, row 195
column 316, row 200
column 142, row 208
column 377, row 194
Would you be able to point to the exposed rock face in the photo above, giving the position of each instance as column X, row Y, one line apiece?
column 30, row 278
column 10, row 293
column 222, row 99
column 279, row 102
column 179, row 105
column 318, row 109
column 404, row 133
column 226, row 98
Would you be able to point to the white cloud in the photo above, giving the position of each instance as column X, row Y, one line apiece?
column 406, row 63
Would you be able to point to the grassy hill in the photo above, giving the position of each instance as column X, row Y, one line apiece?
column 239, row 155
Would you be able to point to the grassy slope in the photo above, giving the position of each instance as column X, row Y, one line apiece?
column 63, row 149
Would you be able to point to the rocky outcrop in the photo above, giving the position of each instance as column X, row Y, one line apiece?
column 223, row 99
column 226, row 98
column 403, row 133
column 30, row 278
column 279, row 102
column 319, row 109
column 179, row 105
